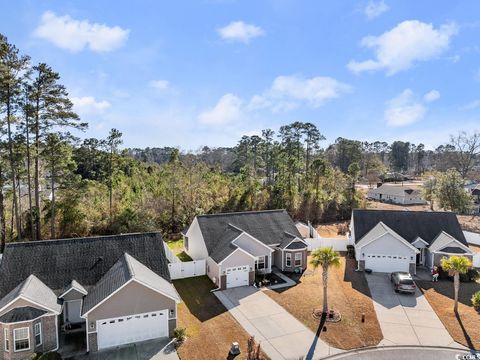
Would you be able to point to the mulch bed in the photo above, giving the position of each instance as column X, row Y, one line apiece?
column 348, row 294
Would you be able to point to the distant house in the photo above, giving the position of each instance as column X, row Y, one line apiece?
column 387, row 240
column 111, row 290
column 396, row 194
column 238, row 245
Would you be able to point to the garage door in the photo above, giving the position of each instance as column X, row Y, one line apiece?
column 237, row 276
column 133, row 328
column 386, row 263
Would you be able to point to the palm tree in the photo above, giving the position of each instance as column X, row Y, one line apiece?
column 456, row 265
column 325, row 257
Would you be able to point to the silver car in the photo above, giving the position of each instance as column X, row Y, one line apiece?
column 402, row 281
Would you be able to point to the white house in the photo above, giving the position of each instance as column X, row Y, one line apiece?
column 391, row 240
column 396, row 194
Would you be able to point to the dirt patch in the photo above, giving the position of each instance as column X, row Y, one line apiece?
column 210, row 327
column 348, row 293
column 463, row 327
column 332, row 230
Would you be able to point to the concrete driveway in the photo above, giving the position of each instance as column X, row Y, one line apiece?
column 403, row 353
column 279, row 333
column 406, row 319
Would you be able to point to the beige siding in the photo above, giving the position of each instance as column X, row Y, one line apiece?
column 134, row 298
column 237, row 258
column 213, row 271
column 196, row 245
column 252, row 246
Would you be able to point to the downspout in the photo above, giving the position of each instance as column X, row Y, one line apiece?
column 56, row 333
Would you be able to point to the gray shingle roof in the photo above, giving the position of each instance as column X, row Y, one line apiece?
column 270, row 227
column 21, row 314
column 125, row 269
column 75, row 285
column 409, row 224
column 296, row 245
column 33, row 289
column 453, row 250
column 57, row 262
column 395, row 190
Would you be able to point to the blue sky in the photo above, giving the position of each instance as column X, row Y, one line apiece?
column 187, row 74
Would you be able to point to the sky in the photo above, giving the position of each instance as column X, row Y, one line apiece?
column 206, row 72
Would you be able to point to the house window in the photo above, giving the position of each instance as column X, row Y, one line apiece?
column 38, row 334
column 6, row 339
column 185, row 242
column 260, row 263
column 21, row 339
column 298, row 259
column 288, row 260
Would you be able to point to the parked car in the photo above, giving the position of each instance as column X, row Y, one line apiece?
column 402, row 281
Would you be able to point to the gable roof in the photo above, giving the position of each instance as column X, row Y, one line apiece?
column 269, row 227
column 124, row 270
column 378, row 231
column 395, row 190
column 408, row 224
column 453, row 250
column 34, row 290
column 57, row 262
column 25, row 313
column 74, row 285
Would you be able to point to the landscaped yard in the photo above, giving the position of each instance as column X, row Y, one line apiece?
column 177, row 247
column 464, row 328
column 348, row 293
column 210, row 327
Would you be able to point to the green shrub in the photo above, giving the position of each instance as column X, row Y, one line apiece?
column 476, row 300
column 180, row 334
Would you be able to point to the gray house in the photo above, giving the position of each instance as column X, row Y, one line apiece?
column 236, row 245
column 396, row 194
column 112, row 290
column 391, row 240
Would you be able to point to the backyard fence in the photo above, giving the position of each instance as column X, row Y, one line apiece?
column 338, row 244
column 474, row 239
column 182, row 270
column 171, row 257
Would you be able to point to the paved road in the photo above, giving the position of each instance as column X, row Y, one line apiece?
column 406, row 319
column 280, row 334
column 402, row 354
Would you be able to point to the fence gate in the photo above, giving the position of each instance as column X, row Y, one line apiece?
column 182, row 270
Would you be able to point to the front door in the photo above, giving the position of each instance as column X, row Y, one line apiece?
column 420, row 257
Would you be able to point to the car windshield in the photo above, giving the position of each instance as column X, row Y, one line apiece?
column 407, row 282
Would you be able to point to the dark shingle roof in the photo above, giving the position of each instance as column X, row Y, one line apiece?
column 296, row 245
column 58, row 262
column 270, row 227
column 21, row 314
column 409, row 224
column 453, row 250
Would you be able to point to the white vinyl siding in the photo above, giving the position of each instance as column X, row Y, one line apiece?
column 298, row 259
column 21, row 339
column 288, row 260
column 38, row 334
column 6, row 344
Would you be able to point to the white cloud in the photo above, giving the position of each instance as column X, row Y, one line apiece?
column 374, row 9
column 160, row 84
column 240, row 31
column 404, row 110
column 401, row 47
column 288, row 91
column 227, row 110
column 431, row 96
column 89, row 105
column 472, row 105
column 76, row 35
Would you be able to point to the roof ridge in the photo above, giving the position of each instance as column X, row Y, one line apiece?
column 242, row 212
column 89, row 238
column 127, row 257
column 405, row 211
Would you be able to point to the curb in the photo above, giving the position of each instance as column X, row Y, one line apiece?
column 394, row 347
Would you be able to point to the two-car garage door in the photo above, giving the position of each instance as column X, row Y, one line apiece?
column 130, row 329
column 386, row 263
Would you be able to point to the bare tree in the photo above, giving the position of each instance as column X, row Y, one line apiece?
column 467, row 149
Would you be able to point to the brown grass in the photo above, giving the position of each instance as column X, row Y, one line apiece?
column 331, row 230
column 210, row 327
column 463, row 327
column 348, row 293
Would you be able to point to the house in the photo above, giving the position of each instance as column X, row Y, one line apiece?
column 113, row 290
column 238, row 245
column 391, row 240
column 396, row 194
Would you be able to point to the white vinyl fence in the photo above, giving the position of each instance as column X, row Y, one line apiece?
column 474, row 238
column 171, row 257
column 182, row 270
column 338, row 244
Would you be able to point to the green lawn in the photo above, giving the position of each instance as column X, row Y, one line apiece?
column 177, row 247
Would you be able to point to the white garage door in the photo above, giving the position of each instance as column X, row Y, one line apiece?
column 132, row 328
column 237, row 276
column 386, row 263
